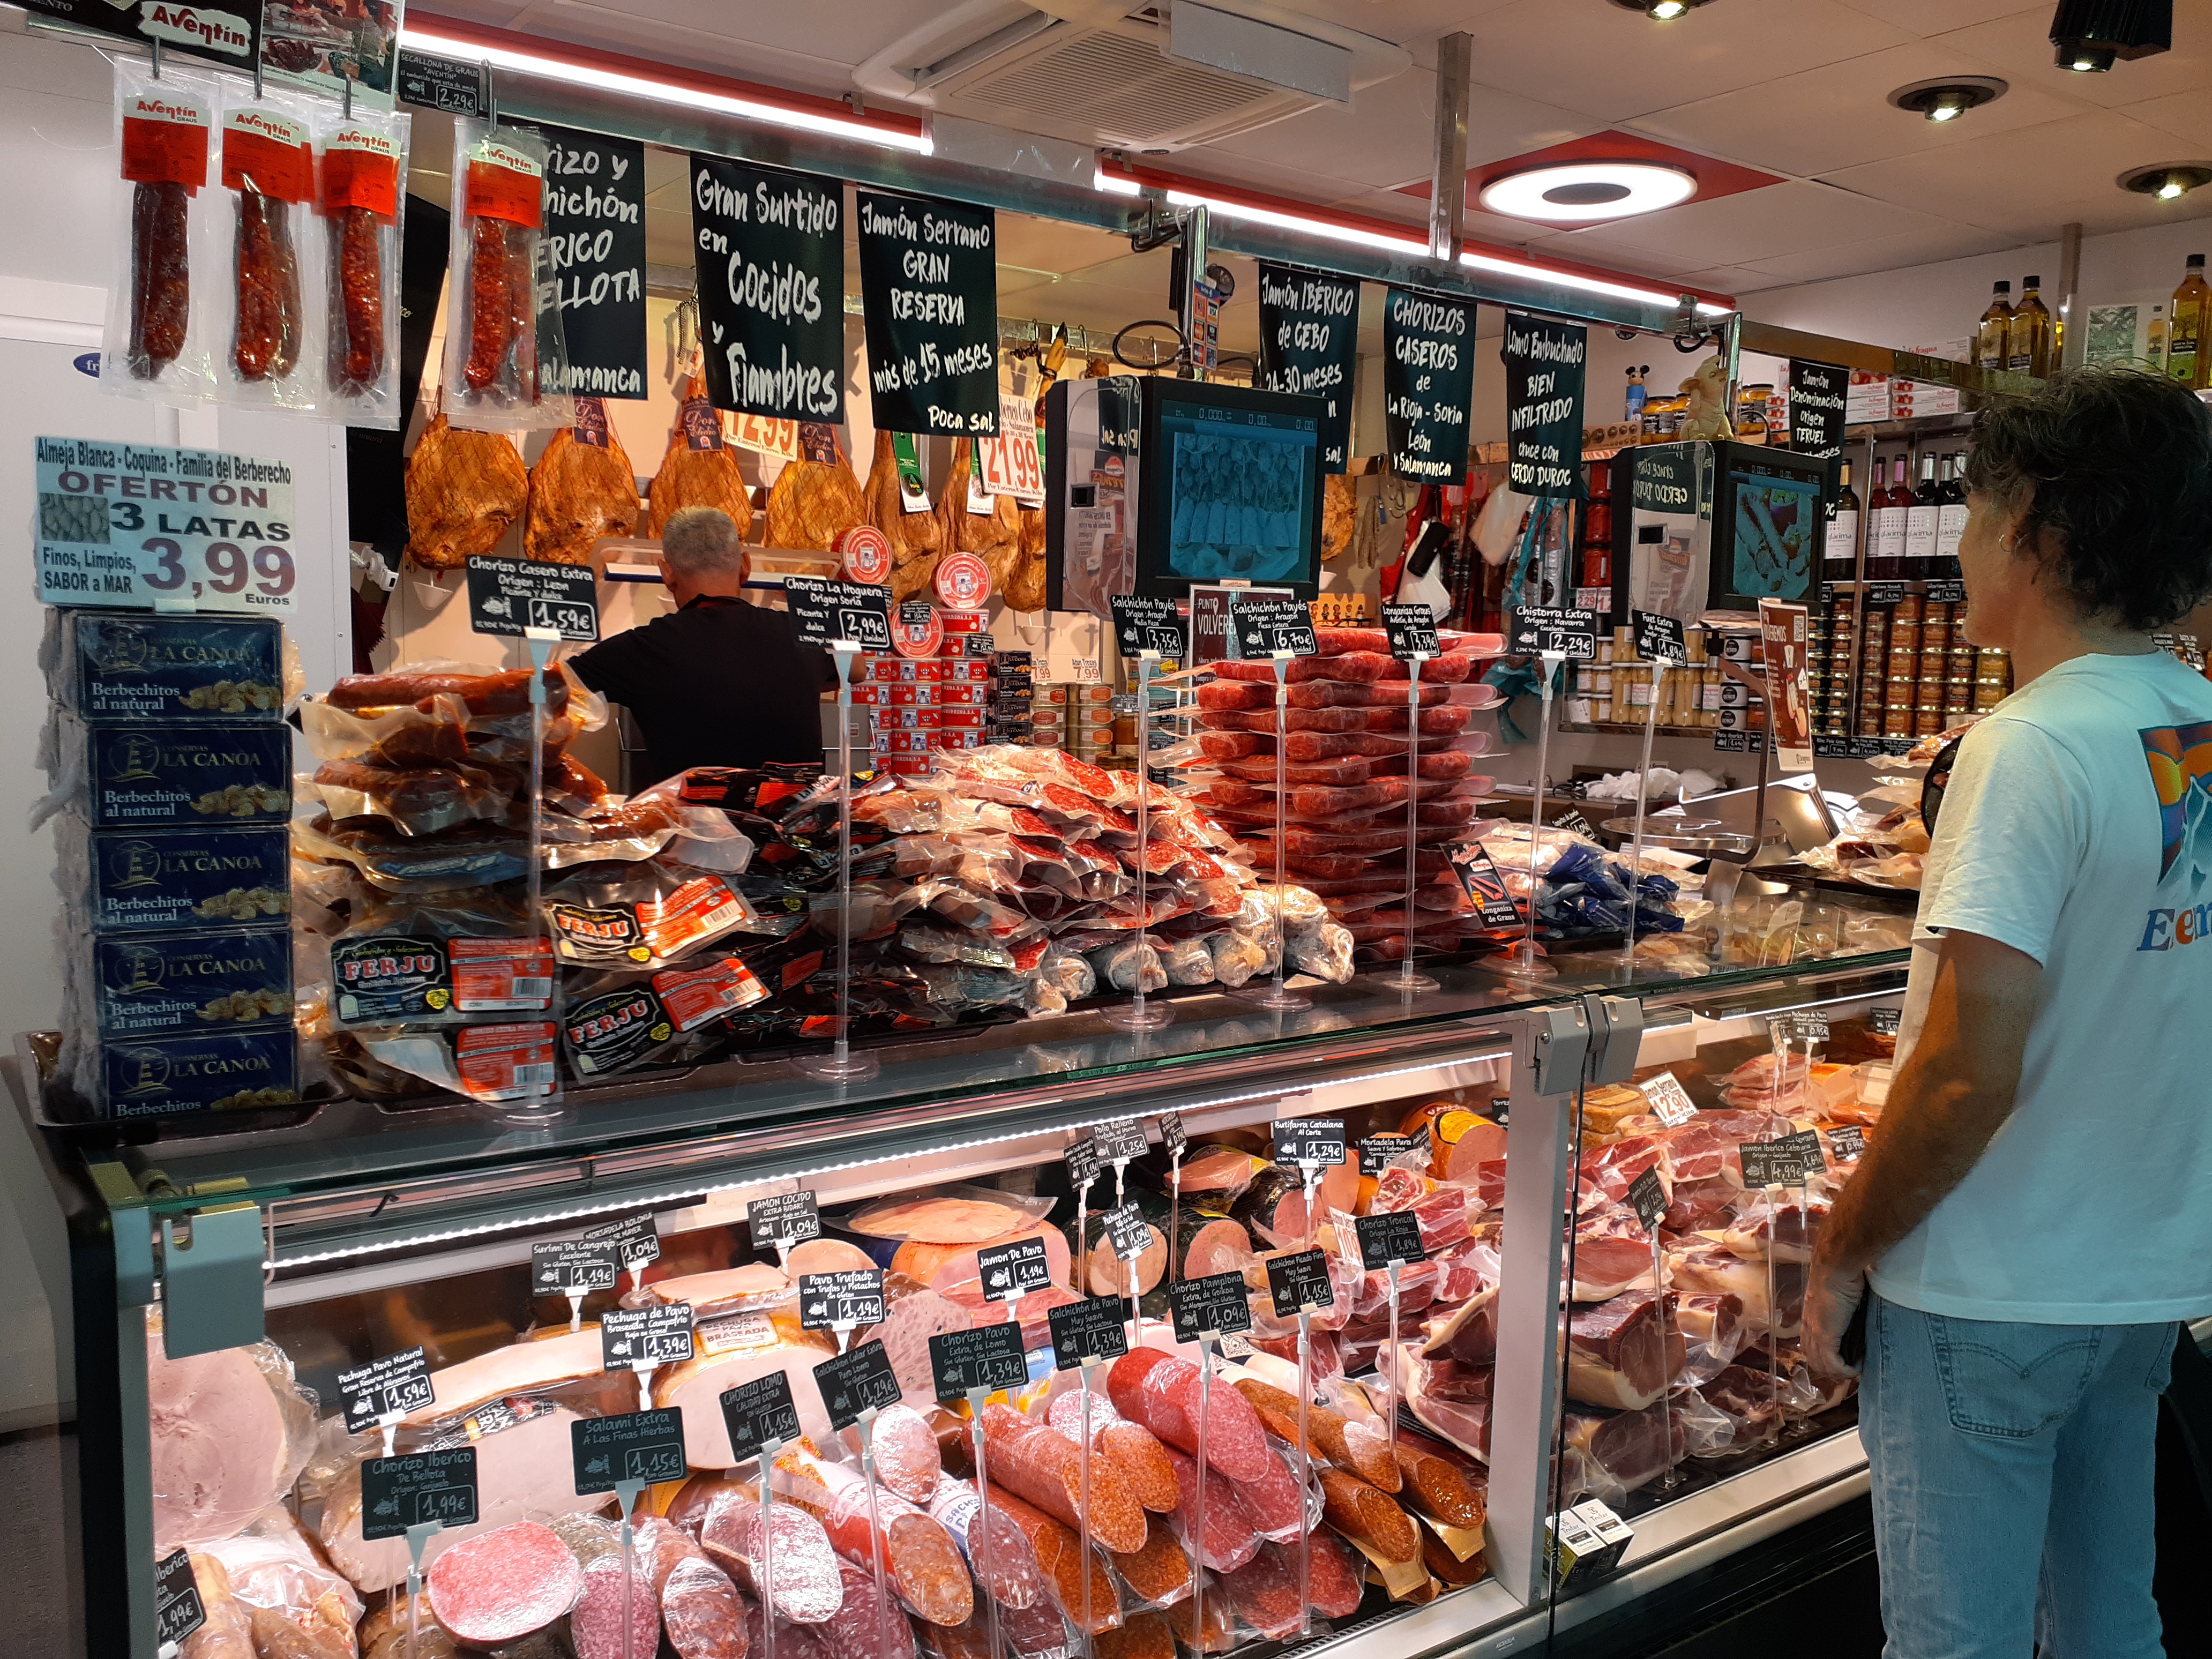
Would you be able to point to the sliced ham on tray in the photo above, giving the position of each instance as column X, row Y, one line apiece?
column 1617, row 1355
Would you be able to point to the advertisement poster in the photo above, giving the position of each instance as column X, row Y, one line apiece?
column 1789, row 706
column 595, row 232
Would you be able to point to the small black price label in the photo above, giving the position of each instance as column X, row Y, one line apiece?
column 176, row 1608
column 1801, row 1025
column 1805, row 1145
column 1089, row 1330
column 508, row 595
column 400, row 1492
column 1552, row 630
column 1014, row 1270
column 1390, row 1236
column 443, row 85
column 975, row 646
column 758, row 1411
column 1574, row 821
column 645, row 1446
column 635, row 1238
column 1770, row 1163
column 1121, row 1140
column 1146, row 625
column 1848, row 1140
column 1299, row 1280
column 1126, row 1228
column 1947, row 592
column 1670, row 1101
column 1647, row 1196
column 1731, row 742
column 573, row 1264
column 1659, row 638
column 1883, row 1022
column 854, row 1383
column 1411, row 630
column 1884, row 596
column 1261, row 625
column 825, row 611
column 660, row 1336
column 852, row 1298
column 1172, row 1135
column 1376, row 1151
column 1214, row 1305
column 1082, row 1161
column 983, row 1357
column 1302, row 1140
column 390, row 1386
column 783, row 1218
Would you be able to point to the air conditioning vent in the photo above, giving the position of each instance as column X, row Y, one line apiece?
column 1108, row 84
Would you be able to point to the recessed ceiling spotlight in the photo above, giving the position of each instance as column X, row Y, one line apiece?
column 2169, row 181
column 2087, row 36
column 1579, row 192
column 1662, row 11
column 1949, row 97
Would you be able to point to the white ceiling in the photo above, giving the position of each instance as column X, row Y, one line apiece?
column 1793, row 87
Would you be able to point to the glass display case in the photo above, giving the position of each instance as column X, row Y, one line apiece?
column 1449, row 1407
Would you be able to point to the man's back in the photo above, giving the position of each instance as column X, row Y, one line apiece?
column 720, row 683
column 2078, row 829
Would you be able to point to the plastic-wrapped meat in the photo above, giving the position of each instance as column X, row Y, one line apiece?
column 1748, row 1398
column 1305, row 843
column 1700, row 1266
column 1321, row 720
column 1610, row 1453
column 1237, row 957
column 913, row 1313
column 1351, row 769
column 1159, row 1572
column 1467, row 1332
column 1309, row 694
column 1367, row 665
column 1713, row 1332
column 1264, row 1591
column 1417, row 1289
column 1002, row 1560
column 863, row 1627
column 1220, row 1634
column 1046, row 1468
column 1692, row 1205
column 1058, row 1556
column 1231, row 1538
column 1618, row 1354
column 1613, row 1254
column 1133, row 1452
column 1453, row 668
column 1448, row 720
column 1441, row 1481
column 1335, row 1577
column 501, row 1585
column 1162, row 1392
column 922, row 1564
column 703, row 1612
column 1343, row 866
column 595, row 1625
column 807, row 1589
column 1612, row 1169
column 792, row 1641
column 905, row 1447
column 1331, row 1435
column 1304, row 801
column 1786, row 1228
column 1144, row 1636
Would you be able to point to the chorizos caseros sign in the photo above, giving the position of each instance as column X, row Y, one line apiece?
column 929, row 287
column 771, row 250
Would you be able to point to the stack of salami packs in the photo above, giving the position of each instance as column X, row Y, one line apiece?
column 1349, row 768
column 169, row 767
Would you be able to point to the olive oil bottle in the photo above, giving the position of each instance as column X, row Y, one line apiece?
column 2189, row 330
column 2027, row 336
column 1992, row 336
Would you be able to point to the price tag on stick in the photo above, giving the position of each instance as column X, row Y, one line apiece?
column 1172, row 1135
column 1082, row 1162
column 850, row 1298
column 1214, row 1305
column 759, row 1412
column 1299, row 1281
column 1147, row 624
column 1121, row 1140
column 1391, row 1236
column 508, row 595
column 389, row 1387
column 1309, row 1140
column 1411, row 630
column 823, row 612
column 1770, row 1163
column 1848, row 1140
column 1659, row 638
column 1670, row 1103
column 1806, row 1144
column 1376, row 1151
column 573, row 1267
column 1127, row 1230
column 1551, row 631
column 1261, row 624
column 400, row 1492
column 1883, row 1022
column 178, row 1611
column 637, row 1338
column 983, row 1357
column 861, row 1381
column 783, row 1219
column 1647, row 1196
column 1088, row 1330
column 1010, row 1272
column 644, row 1446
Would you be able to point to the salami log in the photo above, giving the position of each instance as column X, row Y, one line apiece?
column 505, row 1583
column 1350, row 771
column 1147, row 1636
column 1036, row 1632
column 1230, row 1540
column 1047, row 1468
column 492, row 301
column 1059, row 1554
column 703, row 1612
column 968, row 1641
column 863, row 1627
column 596, row 1625
column 792, row 1641
column 361, row 299
column 1358, row 1510
column 659, row 1546
column 160, row 280
column 807, row 1587
column 1002, row 1561
column 1132, row 1448
column 1335, row 1582
column 1438, row 1482
column 1219, row 1635
column 1264, row 1591
column 907, row 1461
column 1160, row 1571
column 1270, row 1501
column 1367, row 665
column 922, row 1564
column 1160, row 1392
column 1437, row 1556
column 267, row 343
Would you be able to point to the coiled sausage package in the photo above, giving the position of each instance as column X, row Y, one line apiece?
column 361, row 190
column 506, row 355
column 271, row 335
column 158, row 341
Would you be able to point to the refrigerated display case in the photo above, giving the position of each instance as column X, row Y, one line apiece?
column 220, row 1283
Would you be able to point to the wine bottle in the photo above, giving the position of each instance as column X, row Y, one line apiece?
column 1885, row 548
column 1950, row 517
column 1920, row 523
column 1840, row 551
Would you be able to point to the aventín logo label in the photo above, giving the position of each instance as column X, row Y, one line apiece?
column 189, row 26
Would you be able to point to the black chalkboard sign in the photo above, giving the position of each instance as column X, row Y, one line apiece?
column 783, row 1218
column 1146, row 625
column 854, row 1383
column 178, row 1611
column 645, row 1446
column 1310, row 346
column 1411, row 630
column 1544, row 365
column 1387, row 1236
column 824, row 611
column 758, row 1411
column 770, row 248
column 400, row 1492
column 1264, row 624
column 1428, row 383
column 595, row 234
column 508, row 595
column 1213, row 1305
column 929, row 295
column 983, row 1357
column 390, row 1386
column 441, row 83
column 1299, row 1280
column 1090, row 1329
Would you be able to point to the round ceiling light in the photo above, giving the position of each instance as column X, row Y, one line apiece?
column 1580, row 191
column 1948, row 97
column 2169, row 181
column 1662, row 11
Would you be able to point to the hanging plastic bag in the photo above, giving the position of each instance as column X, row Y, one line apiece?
column 155, row 343
column 273, row 334
column 361, row 179
column 506, row 356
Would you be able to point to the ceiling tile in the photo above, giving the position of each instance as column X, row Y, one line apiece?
column 2186, row 115
column 1927, row 17
column 1879, row 253
column 2017, row 181
column 2019, row 48
column 1839, row 116
column 1746, row 229
column 1622, row 65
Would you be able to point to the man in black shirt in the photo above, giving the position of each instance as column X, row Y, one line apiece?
column 720, row 683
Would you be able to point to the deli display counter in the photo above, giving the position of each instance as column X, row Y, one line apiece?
column 274, row 1325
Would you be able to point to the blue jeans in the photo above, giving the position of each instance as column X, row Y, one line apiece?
column 2012, row 1473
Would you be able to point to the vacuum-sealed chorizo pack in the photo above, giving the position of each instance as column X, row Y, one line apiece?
column 361, row 191
column 506, row 356
column 271, row 334
column 157, row 342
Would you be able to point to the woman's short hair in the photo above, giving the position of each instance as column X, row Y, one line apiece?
column 702, row 541
column 2115, row 466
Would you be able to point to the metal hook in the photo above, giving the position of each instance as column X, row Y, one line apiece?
column 345, row 110
column 490, row 96
column 256, row 77
column 157, row 57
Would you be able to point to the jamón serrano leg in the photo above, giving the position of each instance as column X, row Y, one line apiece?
column 161, row 277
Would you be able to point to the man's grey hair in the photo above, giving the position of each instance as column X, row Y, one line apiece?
column 702, row 541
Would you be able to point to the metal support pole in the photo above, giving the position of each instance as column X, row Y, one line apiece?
column 2074, row 327
column 1448, row 176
